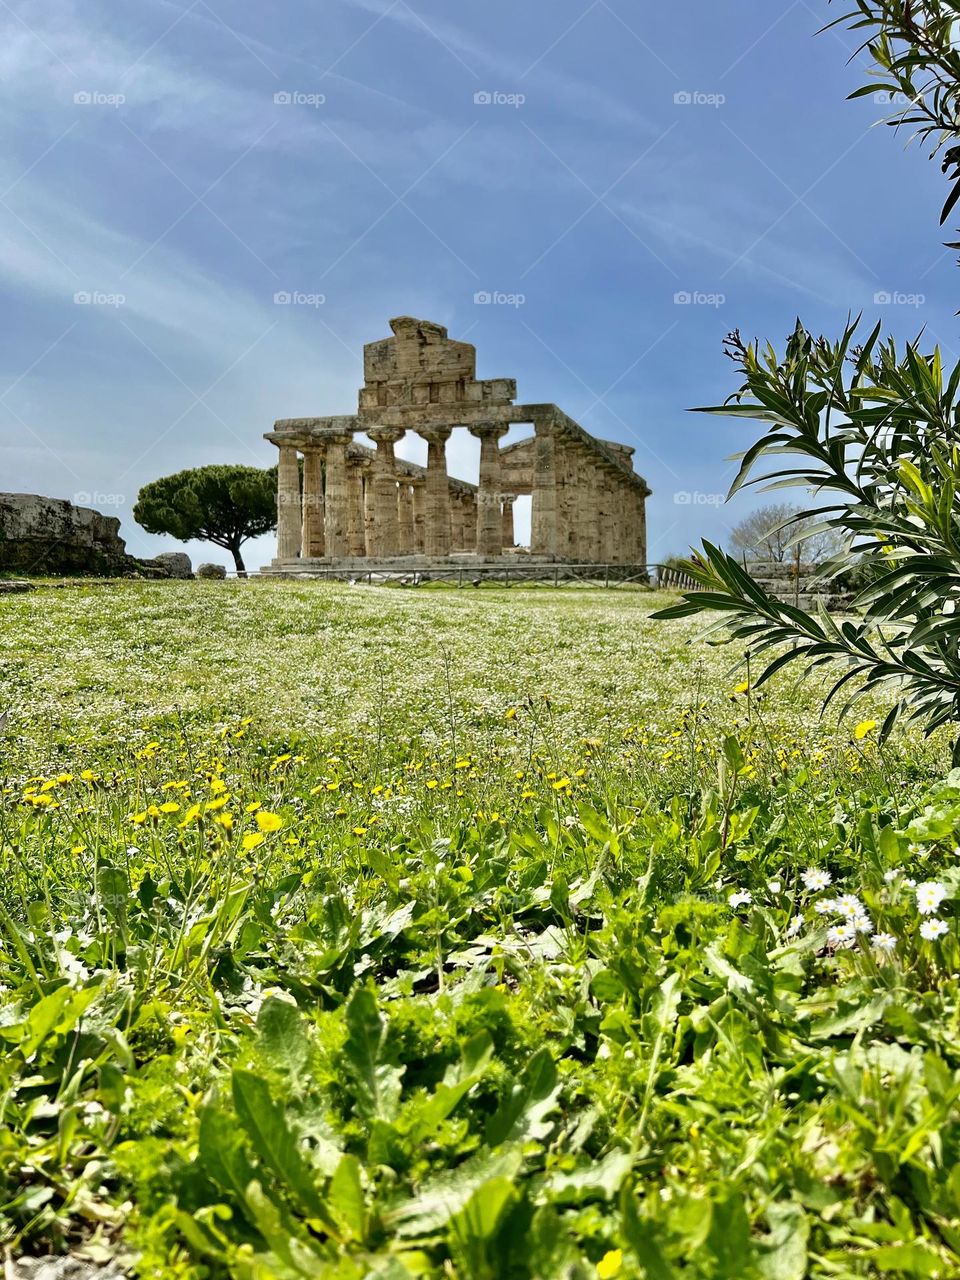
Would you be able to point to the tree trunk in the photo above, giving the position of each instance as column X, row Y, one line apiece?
column 238, row 561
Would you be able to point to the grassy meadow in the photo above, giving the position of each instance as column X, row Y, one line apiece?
column 493, row 934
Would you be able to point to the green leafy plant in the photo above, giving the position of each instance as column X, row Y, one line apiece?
column 873, row 434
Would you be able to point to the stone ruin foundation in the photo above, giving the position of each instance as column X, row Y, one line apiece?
column 358, row 509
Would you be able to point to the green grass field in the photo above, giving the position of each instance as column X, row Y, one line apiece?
column 354, row 932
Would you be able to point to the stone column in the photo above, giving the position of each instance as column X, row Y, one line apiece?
column 613, row 546
column 405, row 535
column 312, row 543
column 590, row 478
column 436, row 493
column 507, row 534
column 356, row 538
column 544, row 537
column 386, row 534
column 489, row 519
column 289, row 519
column 641, row 552
column 468, row 522
column 337, row 504
column 566, row 531
column 418, row 485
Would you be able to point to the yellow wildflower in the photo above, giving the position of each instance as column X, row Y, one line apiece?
column 611, row 1264
column 269, row 821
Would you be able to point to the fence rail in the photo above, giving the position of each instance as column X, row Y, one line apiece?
column 660, row 577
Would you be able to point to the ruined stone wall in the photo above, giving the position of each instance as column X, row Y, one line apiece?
column 52, row 536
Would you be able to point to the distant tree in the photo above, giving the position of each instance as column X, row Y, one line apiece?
column 225, row 505
column 782, row 532
column 766, row 534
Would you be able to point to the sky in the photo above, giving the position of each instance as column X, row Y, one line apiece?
column 593, row 193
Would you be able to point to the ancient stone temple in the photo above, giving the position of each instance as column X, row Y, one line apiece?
column 349, row 506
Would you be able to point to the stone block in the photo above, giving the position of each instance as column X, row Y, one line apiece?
column 211, row 571
column 176, row 563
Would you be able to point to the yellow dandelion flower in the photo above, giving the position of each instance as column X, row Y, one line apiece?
column 359, row 831
column 138, row 819
column 253, row 807
column 432, row 784
column 269, row 821
column 562, row 785
column 170, row 806
column 224, row 820
column 610, row 1265
column 863, row 728
column 511, row 714
column 251, row 840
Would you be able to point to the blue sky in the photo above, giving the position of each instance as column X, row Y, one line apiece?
column 150, row 156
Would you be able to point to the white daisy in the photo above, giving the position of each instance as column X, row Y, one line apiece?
column 795, row 926
column 741, row 899
column 884, row 943
column 825, row 906
column 862, row 923
column 841, row 935
column 890, row 875
column 814, row 879
column 774, row 886
column 929, row 896
column 849, row 905
column 933, row 929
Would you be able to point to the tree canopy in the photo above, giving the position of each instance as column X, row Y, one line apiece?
column 225, row 505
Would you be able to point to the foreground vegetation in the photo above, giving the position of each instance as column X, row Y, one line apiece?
column 354, row 932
